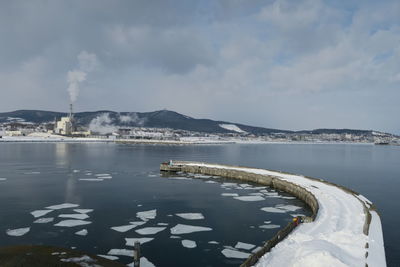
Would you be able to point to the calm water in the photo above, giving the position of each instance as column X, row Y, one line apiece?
column 41, row 175
column 371, row 170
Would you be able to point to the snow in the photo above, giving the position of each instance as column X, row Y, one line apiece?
column 186, row 229
column 231, row 253
column 44, row 220
column 150, row 230
column 334, row 238
column 123, row 228
column 40, row 213
column 83, row 232
column 72, row 223
column 147, row 215
column 249, row 198
column 232, row 127
column 191, row 216
column 108, row 257
column 82, row 261
column 246, row 246
column 121, row 252
column 131, row 241
column 83, row 210
column 62, row 206
column 18, row 232
column 188, row 243
column 79, row 216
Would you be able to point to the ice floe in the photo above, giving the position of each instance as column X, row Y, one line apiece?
column 79, row 216
column 269, row 226
column 191, row 216
column 82, row 261
column 44, row 220
column 76, row 171
column 288, row 207
column 175, row 237
column 131, row 241
column 273, row 210
column 123, row 228
column 210, row 182
column 229, row 194
column 83, row 210
column 40, row 213
column 150, row 230
column 121, row 252
column 147, row 215
column 162, row 224
column 72, row 223
column 297, row 215
column 246, row 246
column 249, row 198
column 102, row 174
column 62, row 206
column 188, row 243
column 108, row 257
column 138, row 223
column 231, row 253
column 187, row 229
column 83, row 232
column 3, row 179
column 213, row 242
column 91, row 179
column 143, row 263
column 18, row 232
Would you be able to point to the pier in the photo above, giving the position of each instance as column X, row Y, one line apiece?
column 344, row 228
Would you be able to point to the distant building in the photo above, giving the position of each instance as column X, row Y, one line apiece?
column 64, row 126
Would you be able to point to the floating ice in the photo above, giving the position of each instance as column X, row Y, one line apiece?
column 229, row 195
column 104, row 177
column 18, row 232
column 297, row 215
column 162, row 224
column 288, row 207
column 147, row 215
column 256, row 194
column 123, row 228
column 287, row 197
column 83, row 232
column 272, row 209
column 102, row 174
column 246, row 246
column 83, row 210
column 256, row 249
column 229, row 184
column 62, row 206
column 186, row 229
column 82, row 261
column 191, row 216
column 137, row 223
column 40, row 213
column 231, row 253
column 32, row 173
column 249, row 198
column 131, row 241
column 72, row 223
column 108, row 257
column 175, row 237
column 211, row 182
column 202, row 176
column 269, row 226
column 76, row 171
column 91, row 179
column 150, row 230
column 143, row 263
column 3, row 179
column 188, row 243
column 180, row 178
column 121, row 252
column 89, row 173
column 79, row 216
column 44, row 220
column 213, row 242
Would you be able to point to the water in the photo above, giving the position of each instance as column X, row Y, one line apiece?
column 41, row 175
column 373, row 171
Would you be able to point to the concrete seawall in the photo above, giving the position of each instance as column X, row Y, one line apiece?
column 308, row 192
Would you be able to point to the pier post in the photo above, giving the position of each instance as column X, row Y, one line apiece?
column 136, row 254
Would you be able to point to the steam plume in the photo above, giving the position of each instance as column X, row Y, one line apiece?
column 87, row 63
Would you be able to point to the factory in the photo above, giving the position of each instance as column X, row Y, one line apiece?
column 65, row 126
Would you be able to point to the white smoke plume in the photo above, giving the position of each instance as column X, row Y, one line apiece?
column 87, row 63
column 102, row 124
column 131, row 118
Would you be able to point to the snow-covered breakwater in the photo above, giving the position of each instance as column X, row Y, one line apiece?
column 345, row 229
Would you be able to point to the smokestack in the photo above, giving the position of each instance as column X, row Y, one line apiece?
column 70, row 111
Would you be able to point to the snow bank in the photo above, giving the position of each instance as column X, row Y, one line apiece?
column 334, row 238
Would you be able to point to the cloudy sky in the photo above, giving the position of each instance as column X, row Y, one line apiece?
column 291, row 64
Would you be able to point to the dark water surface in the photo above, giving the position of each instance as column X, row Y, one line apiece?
column 41, row 175
column 373, row 171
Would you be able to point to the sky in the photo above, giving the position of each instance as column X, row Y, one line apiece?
column 300, row 64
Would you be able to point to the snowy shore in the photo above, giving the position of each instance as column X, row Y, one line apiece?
column 339, row 236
